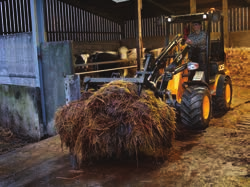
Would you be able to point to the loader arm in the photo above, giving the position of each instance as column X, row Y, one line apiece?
column 174, row 68
column 160, row 61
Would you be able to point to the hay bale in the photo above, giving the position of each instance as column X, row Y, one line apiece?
column 68, row 120
column 116, row 120
column 238, row 61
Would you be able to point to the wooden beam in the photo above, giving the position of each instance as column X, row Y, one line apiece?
column 192, row 6
column 248, row 18
column 245, row 2
column 225, row 23
column 139, row 35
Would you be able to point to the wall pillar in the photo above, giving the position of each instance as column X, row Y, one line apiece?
column 225, row 23
column 38, row 37
column 248, row 17
column 139, row 35
column 192, row 6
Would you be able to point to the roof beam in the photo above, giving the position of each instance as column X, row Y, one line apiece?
column 238, row 3
column 192, row 6
column 246, row 2
column 161, row 6
column 95, row 10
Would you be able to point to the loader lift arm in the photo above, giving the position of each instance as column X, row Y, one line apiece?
column 160, row 62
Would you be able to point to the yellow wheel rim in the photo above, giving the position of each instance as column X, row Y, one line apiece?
column 206, row 107
column 228, row 93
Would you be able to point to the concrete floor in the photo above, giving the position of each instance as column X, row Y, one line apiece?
column 32, row 162
column 46, row 164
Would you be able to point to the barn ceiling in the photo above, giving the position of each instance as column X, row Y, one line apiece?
column 150, row 8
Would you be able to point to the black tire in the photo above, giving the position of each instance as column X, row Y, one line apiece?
column 221, row 104
column 195, row 111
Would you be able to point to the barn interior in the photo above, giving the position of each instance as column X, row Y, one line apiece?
column 41, row 41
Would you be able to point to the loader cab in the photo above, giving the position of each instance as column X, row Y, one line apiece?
column 212, row 24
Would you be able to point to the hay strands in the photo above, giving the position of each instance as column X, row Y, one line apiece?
column 114, row 120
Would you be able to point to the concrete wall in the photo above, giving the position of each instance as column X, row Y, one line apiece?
column 17, row 61
column 20, row 86
column 56, row 64
column 21, row 110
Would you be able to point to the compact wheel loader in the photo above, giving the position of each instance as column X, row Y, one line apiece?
column 175, row 77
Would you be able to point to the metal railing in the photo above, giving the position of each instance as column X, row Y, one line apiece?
column 238, row 19
column 14, row 16
column 67, row 22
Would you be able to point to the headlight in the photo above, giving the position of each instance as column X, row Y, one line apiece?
column 192, row 66
column 169, row 19
column 204, row 16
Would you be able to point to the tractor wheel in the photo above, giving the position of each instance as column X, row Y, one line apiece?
column 221, row 104
column 195, row 111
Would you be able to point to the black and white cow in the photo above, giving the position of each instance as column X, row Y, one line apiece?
column 103, row 56
column 81, row 59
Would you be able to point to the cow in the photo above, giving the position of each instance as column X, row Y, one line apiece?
column 81, row 59
column 102, row 56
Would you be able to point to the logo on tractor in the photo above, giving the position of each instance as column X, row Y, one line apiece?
column 221, row 67
column 179, row 57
